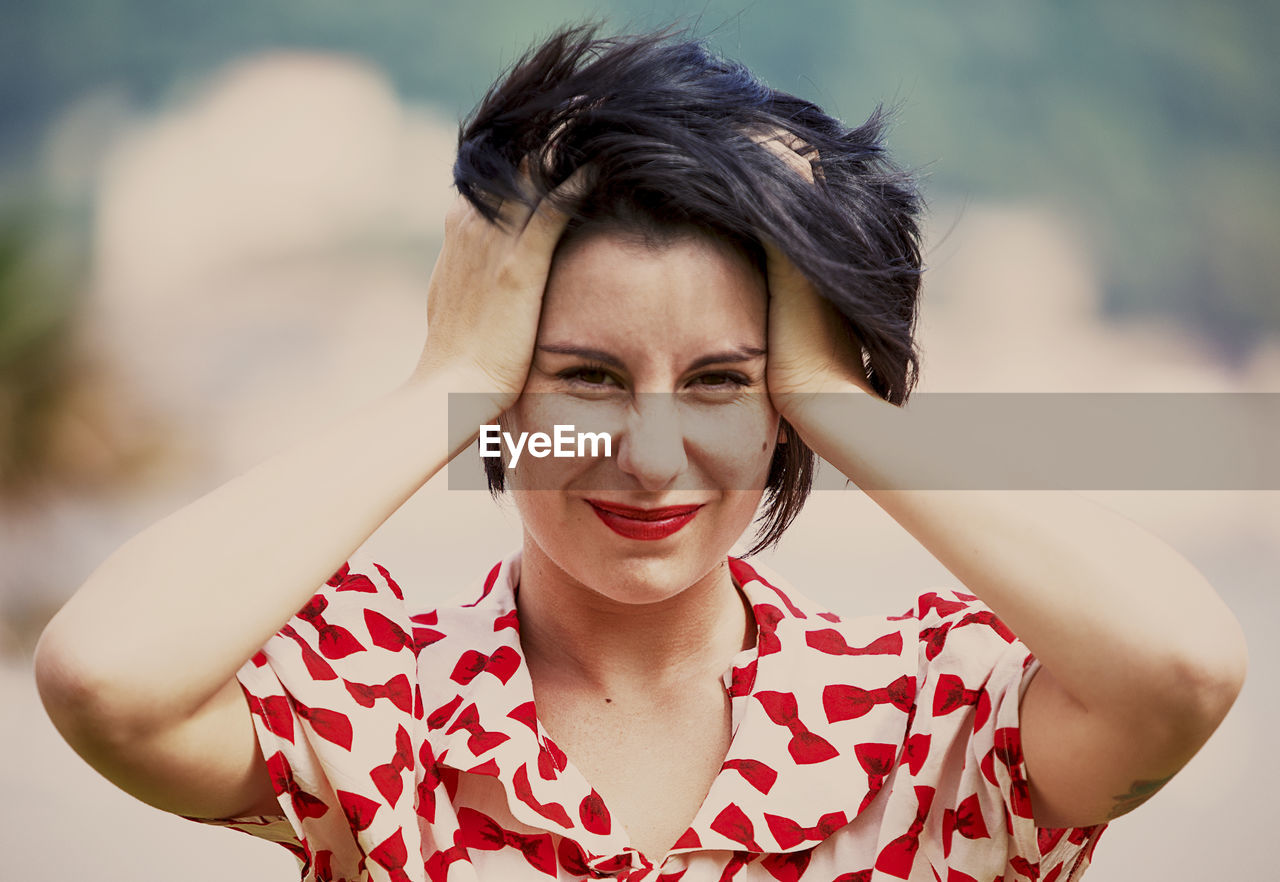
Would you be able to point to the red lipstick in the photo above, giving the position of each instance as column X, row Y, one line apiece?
column 643, row 523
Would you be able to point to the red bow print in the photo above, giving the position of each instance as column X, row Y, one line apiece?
column 525, row 713
column 488, row 768
column 788, row 866
column 877, row 761
column 1008, row 749
column 502, row 664
column 965, row 819
column 688, row 839
column 508, row 620
column 1024, row 867
column 335, row 641
column 1048, row 837
column 330, row 725
column 426, row 804
column 988, row 618
column 386, row 633
column 551, row 760
column 387, row 776
column 916, row 751
column 323, row 866
column 951, row 695
column 743, row 572
column 317, row 667
column 424, row 636
column 767, row 619
column 805, row 746
column 489, row 581
column 391, row 583
column 934, row 640
column 358, row 809
column 345, row 580
column 577, row 862
column 443, row 714
column 282, row 781
column 733, row 823
column 573, row 858
column 758, row 775
column 396, row 690
column 477, row 830
column 897, row 857
column 932, row 601
column 275, row 713
column 438, row 864
column 392, row 854
column 850, row 702
column 480, row 740
column 832, row 642
column 552, row 811
column 789, row 833
column 860, row 876
column 626, row 866
column 629, row 864
column 594, row 815
column 743, row 679
column 739, row 860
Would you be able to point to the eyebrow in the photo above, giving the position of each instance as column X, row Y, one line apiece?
column 742, row 353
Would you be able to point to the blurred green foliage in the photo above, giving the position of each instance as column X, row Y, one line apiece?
column 1153, row 123
column 37, row 294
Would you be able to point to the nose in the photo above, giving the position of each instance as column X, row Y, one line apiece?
column 652, row 447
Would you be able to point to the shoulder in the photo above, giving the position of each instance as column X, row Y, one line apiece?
column 942, row 627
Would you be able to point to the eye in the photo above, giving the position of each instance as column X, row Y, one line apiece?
column 588, row 375
column 722, row 380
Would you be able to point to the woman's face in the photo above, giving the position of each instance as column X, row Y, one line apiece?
column 663, row 347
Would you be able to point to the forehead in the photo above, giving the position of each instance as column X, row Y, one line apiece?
column 614, row 289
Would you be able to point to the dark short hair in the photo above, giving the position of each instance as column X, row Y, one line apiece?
column 666, row 128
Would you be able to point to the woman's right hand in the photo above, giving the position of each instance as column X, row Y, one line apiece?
column 485, row 298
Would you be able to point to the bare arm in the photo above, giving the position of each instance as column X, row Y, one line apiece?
column 138, row 669
column 1140, row 658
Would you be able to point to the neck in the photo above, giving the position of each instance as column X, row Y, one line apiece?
column 578, row 638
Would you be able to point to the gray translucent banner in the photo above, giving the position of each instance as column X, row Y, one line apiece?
column 939, row 441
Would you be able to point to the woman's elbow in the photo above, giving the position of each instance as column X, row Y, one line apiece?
column 87, row 705
column 1206, row 678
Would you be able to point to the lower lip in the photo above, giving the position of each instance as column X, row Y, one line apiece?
column 633, row 528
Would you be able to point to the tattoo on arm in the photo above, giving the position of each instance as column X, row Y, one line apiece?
column 1139, row 792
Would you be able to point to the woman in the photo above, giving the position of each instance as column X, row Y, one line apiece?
column 624, row 700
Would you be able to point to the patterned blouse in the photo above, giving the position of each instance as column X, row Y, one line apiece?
column 407, row 747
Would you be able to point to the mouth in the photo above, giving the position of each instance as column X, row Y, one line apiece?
column 646, row 524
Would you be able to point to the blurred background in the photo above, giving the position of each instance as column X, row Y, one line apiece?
column 217, row 222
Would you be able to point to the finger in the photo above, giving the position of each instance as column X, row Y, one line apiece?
column 783, row 275
column 547, row 221
column 786, row 146
column 514, row 213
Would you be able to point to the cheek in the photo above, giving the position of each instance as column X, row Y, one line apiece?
column 540, row 414
column 736, row 443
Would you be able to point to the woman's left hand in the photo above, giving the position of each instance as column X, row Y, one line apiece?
column 811, row 349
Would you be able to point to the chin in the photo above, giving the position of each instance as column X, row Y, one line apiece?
column 648, row 581
column 638, row 575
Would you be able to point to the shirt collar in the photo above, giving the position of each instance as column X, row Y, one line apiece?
column 809, row 750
